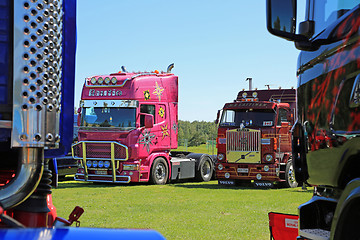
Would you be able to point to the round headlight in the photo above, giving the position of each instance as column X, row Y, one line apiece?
column 268, row 157
column 106, row 164
column 93, row 80
column 88, row 163
column 101, row 164
column 254, row 94
column 258, row 176
column 220, row 167
column 220, row 156
column 100, row 80
column 227, row 175
column 113, row 80
column 244, row 95
column 107, row 80
column 266, row 168
column 95, row 163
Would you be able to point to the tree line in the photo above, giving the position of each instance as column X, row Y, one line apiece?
column 196, row 132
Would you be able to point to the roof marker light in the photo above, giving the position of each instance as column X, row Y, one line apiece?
column 93, row 80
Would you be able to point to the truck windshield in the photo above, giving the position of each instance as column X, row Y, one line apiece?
column 248, row 117
column 101, row 117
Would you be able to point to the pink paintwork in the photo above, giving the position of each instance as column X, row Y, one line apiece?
column 157, row 95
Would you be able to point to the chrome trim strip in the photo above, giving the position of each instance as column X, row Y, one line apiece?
column 5, row 124
column 93, row 175
column 110, row 103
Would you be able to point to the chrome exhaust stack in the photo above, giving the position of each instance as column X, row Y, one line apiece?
column 36, row 82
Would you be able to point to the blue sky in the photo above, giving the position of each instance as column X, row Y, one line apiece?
column 215, row 46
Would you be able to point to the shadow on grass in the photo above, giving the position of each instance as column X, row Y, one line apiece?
column 75, row 184
column 218, row 186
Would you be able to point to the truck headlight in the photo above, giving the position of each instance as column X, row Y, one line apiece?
column 88, row 164
column 101, row 164
column 220, row 156
column 266, row 168
column 268, row 157
column 107, row 80
column 93, row 80
column 106, row 164
column 227, row 175
column 95, row 163
column 220, row 167
column 130, row 167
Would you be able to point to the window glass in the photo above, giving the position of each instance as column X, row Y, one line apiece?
column 108, row 117
column 248, row 117
column 282, row 116
column 328, row 11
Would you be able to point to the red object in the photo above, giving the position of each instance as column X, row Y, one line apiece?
column 283, row 226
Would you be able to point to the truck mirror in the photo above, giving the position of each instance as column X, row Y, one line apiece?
column 149, row 121
column 281, row 18
column 79, row 118
column 217, row 117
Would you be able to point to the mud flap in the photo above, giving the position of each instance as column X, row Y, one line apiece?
column 283, row 226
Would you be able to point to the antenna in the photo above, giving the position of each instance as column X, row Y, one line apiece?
column 250, row 83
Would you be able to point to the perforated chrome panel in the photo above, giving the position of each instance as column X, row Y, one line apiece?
column 37, row 73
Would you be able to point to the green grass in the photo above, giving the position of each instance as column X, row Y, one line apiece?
column 179, row 211
column 203, row 148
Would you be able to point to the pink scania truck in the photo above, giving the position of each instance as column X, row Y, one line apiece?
column 128, row 123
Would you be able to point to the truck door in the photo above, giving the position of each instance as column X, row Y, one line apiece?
column 283, row 130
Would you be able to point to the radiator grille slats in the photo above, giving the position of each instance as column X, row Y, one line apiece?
column 243, row 141
column 100, row 150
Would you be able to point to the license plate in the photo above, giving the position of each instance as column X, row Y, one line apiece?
column 243, row 170
column 101, row 172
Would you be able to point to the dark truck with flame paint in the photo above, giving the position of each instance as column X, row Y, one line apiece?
column 326, row 143
column 253, row 140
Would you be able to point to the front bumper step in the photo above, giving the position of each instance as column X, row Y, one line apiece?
column 315, row 234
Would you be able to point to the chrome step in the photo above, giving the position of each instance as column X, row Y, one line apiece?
column 315, row 234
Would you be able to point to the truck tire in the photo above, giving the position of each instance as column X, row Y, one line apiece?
column 290, row 181
column 159, row 172
column 205, row 170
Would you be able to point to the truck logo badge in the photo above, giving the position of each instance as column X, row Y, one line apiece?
column 146, row 95
column 165, row 131
column 104, row 93
column 146, row 139
column 158, row 91
column 243, row 141
column 161, row 112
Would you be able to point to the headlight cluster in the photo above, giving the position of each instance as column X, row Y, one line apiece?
column 130, row 167
column 100, row 164
column 101, row 81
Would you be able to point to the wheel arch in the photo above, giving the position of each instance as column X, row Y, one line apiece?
column 347, row 214
column 154, row 156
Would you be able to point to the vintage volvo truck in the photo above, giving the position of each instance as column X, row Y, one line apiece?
column 254, row 141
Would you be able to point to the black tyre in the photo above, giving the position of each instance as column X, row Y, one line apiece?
column 159, row 172
column 290, row 181
column 204, row 170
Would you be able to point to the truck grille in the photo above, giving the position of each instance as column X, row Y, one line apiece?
column 100, row 150
column 243, row 141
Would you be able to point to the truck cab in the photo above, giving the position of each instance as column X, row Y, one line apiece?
column 254, row 138
column 326, row 134
column 128, row 123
